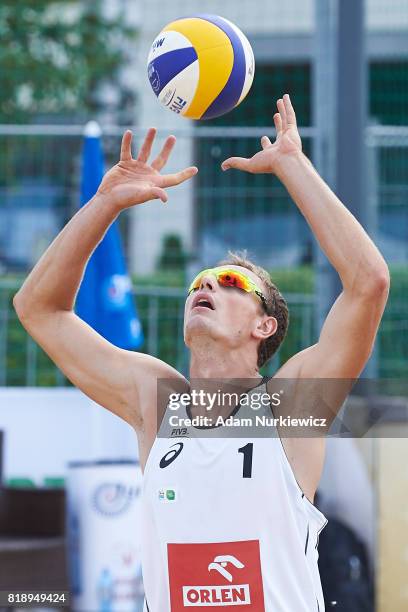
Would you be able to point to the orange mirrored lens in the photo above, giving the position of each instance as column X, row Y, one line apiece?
column 229, row 278
column 233, row 279
column 226, row 278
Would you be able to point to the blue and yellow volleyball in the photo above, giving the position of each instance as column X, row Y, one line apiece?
column 201, row 67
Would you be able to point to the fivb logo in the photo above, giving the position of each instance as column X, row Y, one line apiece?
column 217, row 595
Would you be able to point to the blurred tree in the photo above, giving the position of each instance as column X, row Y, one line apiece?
column 172, row 256
column 56, row 55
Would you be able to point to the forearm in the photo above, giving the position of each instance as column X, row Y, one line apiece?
column 348, row 247
column 53, row 283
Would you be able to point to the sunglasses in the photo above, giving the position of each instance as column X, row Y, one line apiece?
column 227, row 277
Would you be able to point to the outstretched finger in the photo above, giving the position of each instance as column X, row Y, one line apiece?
column 169, row 180
column 282, row 112
column 265, row 142
column 278, row 124
column 126, row 146
column 163, row 156
column 240, row 163
column 147, row 146
column 290, row 111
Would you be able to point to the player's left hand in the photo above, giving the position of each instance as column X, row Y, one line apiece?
column 287, row 143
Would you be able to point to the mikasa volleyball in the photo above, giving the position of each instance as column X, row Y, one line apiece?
column 201, row 67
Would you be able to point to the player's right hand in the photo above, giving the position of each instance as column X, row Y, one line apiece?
column 134, row 181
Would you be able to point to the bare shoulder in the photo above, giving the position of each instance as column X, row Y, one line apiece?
column 292, row 368
column 153, row 381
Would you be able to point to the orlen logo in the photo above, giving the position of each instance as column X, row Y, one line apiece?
column 221, row 562
column 217, row 575
column 232, row 595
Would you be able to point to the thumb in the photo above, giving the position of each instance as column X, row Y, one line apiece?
column 240, row 163
column 156, row 193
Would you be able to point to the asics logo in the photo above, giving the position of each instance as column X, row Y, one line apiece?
column 171, row 455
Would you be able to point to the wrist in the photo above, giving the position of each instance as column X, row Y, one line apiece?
column 289, row 163
column 106, row 204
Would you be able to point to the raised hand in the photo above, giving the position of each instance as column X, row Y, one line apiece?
column 287, row 143
column 134, row 181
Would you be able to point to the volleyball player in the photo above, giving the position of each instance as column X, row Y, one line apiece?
column 229, row 522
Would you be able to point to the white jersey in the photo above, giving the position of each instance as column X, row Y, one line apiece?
column 227, row 527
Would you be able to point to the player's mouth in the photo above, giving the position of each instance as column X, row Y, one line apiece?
column 203, row 300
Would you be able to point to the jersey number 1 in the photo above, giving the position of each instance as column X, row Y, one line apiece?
column 247, row 451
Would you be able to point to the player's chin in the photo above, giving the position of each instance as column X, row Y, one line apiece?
column 197, row 324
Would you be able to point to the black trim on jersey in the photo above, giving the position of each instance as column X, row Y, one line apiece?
column 317, row 601
column 307, row 539
column 319, row 532
column 287, row 458
column 264, row 379
column 147, row 606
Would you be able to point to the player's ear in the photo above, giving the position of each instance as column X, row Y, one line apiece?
column 265, row 327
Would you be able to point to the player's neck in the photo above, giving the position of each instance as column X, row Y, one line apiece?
column 216, row 362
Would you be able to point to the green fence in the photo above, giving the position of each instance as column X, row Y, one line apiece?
column 23, row 363
column 161, row 309
column 39, row 192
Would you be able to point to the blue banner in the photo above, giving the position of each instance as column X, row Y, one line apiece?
column 105, row 298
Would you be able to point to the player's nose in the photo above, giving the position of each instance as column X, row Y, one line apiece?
column 208, row 282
